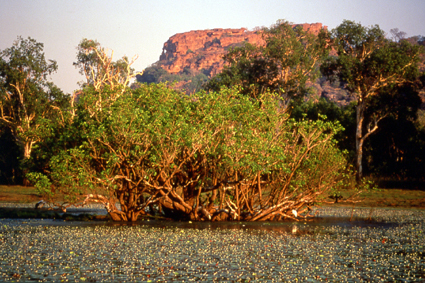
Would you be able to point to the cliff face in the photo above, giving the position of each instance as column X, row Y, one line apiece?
column 202, row 50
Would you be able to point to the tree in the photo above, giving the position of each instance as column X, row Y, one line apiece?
column 215, row 156
column 10, row 169
column 397, row 34
column 284, row 64
column 345, row 115
column 396, row 149
column 97, row 65
column 151, row 74
column 29, row 103
column 367, row 63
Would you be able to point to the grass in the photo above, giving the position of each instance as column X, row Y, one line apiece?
column 18, row 194
column 21, row 194
column 388, row 197
column 384, row 197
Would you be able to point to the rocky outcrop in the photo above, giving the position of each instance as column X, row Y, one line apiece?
column 203, row 50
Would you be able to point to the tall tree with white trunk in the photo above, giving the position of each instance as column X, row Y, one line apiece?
column 367, row 63
column 28, row 100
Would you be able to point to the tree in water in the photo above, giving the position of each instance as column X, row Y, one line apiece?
column 215, row 156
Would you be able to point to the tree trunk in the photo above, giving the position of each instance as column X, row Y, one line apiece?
column 27, row 149
column 116, row 216
column 27, row 155
column 359, row 139
column 130, row 215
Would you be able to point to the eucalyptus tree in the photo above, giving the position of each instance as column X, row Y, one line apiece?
column 367, row 63
column 30, row 105
column 96, row 64
column 284, row 63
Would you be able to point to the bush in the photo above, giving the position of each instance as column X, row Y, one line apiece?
column 215, row 156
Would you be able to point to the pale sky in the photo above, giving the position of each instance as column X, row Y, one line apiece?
column 131, row 27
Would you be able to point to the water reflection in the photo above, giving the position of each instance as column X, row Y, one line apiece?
column 295, row 228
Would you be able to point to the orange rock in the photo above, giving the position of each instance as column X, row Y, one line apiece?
column 204, row 49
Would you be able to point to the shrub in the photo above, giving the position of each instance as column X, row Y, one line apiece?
column 214, row 156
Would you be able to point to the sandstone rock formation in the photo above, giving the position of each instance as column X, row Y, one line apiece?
column 203, row 50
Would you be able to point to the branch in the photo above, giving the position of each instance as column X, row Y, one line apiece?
column 375, row 126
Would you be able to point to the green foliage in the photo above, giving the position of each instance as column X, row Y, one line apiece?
column 193, row 80
column 87, row 58
column 153, row 145
column 151, row 74
column 289, row 59
column 42, row 183
column 345, row 115
column 367, row 61
column 397, row 149
column 367, row 64
column 30, row 105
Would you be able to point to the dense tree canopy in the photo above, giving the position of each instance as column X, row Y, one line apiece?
column 209, row 156
column 152, row 74
column 397, row 148
column 29, row 103
column 368, row 63
column 190, row 81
